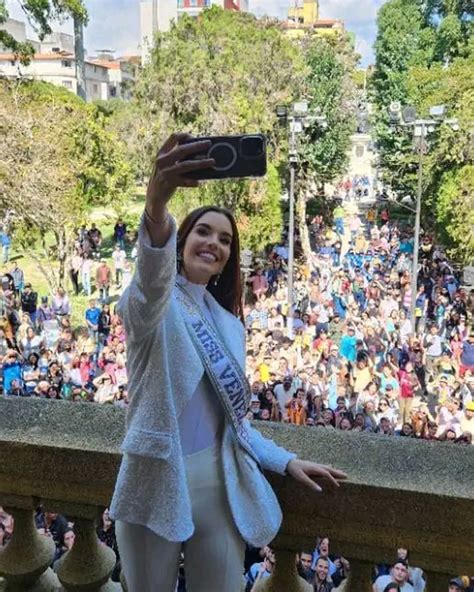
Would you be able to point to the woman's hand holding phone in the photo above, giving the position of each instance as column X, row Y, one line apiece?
column 172, row 163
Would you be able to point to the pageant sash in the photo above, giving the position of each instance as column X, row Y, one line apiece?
column 222, row 368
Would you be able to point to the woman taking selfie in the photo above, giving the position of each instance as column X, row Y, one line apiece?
column 191, row 478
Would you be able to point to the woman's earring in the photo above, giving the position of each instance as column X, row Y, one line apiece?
column 218, row 277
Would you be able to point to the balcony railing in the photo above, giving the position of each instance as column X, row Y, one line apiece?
column 400, row 493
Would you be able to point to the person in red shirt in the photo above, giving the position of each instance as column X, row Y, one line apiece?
column 408, row 383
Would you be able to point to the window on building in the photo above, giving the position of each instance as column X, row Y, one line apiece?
column 67, row 83
column 193, row 3
column 180, row 3
column 66, row 63
column 95, row 68
column 207, row 3
column 95, row 88
column 113, row 91
column 12, row 63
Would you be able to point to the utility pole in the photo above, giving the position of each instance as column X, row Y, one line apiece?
column 79, row 57
column 406, row 117
column 416, row 246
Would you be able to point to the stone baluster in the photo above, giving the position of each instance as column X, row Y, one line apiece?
column 285, row 576
column 360, row 578
column 89, row 564
column 25, row 561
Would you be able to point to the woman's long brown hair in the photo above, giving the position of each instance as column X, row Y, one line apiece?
column 228, row 290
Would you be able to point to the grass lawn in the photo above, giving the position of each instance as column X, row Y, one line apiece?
column 105, row 219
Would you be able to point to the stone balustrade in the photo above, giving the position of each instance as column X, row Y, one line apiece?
column 400, row 492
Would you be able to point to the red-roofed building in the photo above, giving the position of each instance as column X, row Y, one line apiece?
column 55, row 62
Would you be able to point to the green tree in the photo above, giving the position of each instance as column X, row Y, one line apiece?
column 447, row 165
column 223, row 73
column 432, row 65
column 57, row 161
column 331, row 90
column 403, row 40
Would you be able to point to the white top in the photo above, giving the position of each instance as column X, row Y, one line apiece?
column 202, row 419
column 382, row 582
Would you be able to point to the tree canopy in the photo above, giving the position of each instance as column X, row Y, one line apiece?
column 331, row 89
column 225, row 73
column 58, row 160
column 425, row 57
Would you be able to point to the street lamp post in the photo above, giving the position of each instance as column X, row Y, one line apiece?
column 299, row 115
column 291, row 223
column 421, row 129
column 416, row 246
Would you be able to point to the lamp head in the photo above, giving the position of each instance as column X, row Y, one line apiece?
column 437, row 111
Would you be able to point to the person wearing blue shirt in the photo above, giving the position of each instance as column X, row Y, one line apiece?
column 347, row 347
column 6, row 243
column 92, row 320
column 12, row 370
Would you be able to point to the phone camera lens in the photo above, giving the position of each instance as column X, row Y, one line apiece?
column 252, row 146
column 224, row 155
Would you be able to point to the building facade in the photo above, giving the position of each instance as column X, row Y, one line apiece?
column 54, row 62
column 304, row 16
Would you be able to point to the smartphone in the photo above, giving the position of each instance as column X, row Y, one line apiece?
column 236, row 157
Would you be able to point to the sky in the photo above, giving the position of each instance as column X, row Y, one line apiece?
column 115, row 24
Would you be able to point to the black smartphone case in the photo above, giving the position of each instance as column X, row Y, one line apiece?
column 232, row 162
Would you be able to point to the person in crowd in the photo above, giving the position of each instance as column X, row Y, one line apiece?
column 120, row 232
column 107, row 391
column 29, row 302
column 86, row 267
column 321, row 582
column 6, row 241
column 92, row 318
column 18, row 278
column 118, row 259
column 95, row 240
column 260, row 571
column 103, row 280
column 61, row 305
column 304, row 562
column 398, row 575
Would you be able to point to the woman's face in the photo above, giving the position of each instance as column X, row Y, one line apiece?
column 345, row 424
column 207, row 248
column 327, row 416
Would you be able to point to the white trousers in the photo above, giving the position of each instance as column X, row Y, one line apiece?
column 213, row 556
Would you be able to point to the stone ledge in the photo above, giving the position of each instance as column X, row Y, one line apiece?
column 400, row 491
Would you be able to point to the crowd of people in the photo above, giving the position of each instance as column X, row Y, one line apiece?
column 347, row 356
column 356, row 187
